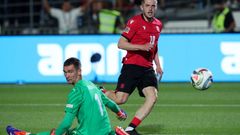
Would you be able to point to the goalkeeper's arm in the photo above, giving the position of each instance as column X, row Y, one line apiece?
column 65, row 124
column 114, row 107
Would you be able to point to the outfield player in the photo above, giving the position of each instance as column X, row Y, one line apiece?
column 139, row 39
column 86, row 103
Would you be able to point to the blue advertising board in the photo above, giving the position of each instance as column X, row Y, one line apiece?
column 39, row 59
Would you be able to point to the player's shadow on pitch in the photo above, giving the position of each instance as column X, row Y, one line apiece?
column 151, row 129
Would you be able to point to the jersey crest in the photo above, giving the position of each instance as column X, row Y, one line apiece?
column 126, row 30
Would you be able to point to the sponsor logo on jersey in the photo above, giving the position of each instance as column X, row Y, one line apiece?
column 131, row 21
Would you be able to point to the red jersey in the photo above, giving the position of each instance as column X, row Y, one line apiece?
column 139, row 31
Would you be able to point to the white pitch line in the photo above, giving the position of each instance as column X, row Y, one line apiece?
column 157, row 105
column 191, row 105
column 32, row 105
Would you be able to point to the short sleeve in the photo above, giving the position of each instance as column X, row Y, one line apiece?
column 130, row 29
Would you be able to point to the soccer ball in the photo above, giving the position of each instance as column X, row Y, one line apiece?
column 201, row 78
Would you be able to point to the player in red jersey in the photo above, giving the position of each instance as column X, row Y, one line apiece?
column 140, row 40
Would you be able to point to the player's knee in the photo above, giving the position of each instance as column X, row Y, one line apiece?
column 155, row 99
column 121, row 100
column 152, row 99
column 151, row 96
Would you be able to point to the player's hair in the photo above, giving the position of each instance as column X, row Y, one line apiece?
column 73, row 61
column 142, row 1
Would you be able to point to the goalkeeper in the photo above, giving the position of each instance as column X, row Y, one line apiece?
column 85, row 102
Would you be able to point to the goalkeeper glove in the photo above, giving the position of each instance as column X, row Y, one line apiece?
column 122, row 115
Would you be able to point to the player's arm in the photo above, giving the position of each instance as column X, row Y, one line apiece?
column 46, row 5
column 55, row 12
column 125, row 45
column 86, row 5
column 158, row 65
column 232, row 23
column 113, row 107
column 72, row 107
column 65, row 124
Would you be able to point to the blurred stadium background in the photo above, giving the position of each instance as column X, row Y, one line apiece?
column 33, row 90
column 179, row 16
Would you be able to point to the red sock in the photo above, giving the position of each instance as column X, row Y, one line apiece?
column 135, row 122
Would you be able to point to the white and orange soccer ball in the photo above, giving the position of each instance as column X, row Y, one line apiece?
column 201, row 78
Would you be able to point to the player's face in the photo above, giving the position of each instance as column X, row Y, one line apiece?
column 149, row 8
column 71, row 74
column 66, row 6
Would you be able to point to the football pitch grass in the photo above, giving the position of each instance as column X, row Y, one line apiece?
column 180, row 109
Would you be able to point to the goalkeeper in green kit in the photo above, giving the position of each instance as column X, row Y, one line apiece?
column 86, row 103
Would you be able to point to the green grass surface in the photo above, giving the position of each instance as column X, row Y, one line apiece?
column 180, row 109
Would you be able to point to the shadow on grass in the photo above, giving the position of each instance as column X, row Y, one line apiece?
column 150, row 129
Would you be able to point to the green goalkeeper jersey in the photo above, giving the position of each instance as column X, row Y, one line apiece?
column 87, row 103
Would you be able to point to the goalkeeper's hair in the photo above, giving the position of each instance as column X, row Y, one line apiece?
column 73, row 61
